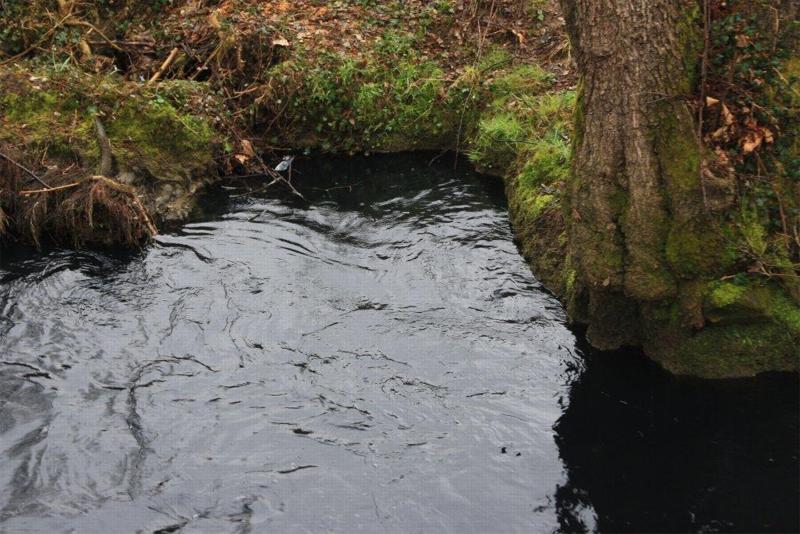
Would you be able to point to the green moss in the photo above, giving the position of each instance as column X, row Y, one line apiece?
column 41, row 118
column 665, row 312
column 535, row 133
column 752, row 300
column 725, row 293
column 698, row 250
column 752, row 232
column 539, row 203
column 752, row 326
column 790, row 78
column 690, row 41
column 732, row 350
column 344, row 104
column 569, row 280
column 152, row 135
column 521, row 80
column 548, row 163
column 679, row 156
column 496, row 57
column 786, row 311
column 686, row 251
column 496, row 145
column 153, row 132
column 534, row 155
column 554, row 110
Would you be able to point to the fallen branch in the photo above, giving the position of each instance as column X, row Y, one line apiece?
column 204, row 66
column 92, row 27
column 164, row 66
column 50, row 189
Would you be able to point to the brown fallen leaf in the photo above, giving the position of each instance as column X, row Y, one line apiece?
column 742, row 41
column 752, row 141
column 247, row 148
column 727, row 116
column 213, row 20
column 720, row 133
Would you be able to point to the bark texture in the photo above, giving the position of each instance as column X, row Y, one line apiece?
column 636, row 176
column 653, row 233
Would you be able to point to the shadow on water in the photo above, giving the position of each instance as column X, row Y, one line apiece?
column 375, row 357
column 646, row 451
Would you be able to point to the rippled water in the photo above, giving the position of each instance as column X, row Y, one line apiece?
column 378, row 358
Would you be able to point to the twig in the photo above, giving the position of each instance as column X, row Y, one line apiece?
column 164, row 66
column 117, row 42
column 204, row 66
column 784, row 80
column 34, row 46
column 275, row 175
column 27, row 170
column 51, row 189
column 93, row 28
column 703, row 76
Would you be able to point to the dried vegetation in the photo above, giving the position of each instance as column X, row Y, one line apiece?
column 191, row 90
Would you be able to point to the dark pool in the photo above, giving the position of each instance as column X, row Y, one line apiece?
column 377, row 359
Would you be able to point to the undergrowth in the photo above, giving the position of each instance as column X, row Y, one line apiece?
column 752, row 111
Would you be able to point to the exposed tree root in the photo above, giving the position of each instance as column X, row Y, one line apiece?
column 94, row 210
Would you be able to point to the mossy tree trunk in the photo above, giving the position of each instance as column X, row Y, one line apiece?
column 635, row 194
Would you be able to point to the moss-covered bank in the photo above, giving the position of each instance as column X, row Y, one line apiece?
column 163, row 143
column 185, row 92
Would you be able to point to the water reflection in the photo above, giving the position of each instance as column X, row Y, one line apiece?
column 647, row 452
column 376, row 359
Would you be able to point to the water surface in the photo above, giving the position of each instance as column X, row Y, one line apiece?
column 376, row 358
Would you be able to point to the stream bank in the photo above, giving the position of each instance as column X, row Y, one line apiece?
column 363, row 78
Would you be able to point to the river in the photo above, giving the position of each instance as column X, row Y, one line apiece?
column 375, row 358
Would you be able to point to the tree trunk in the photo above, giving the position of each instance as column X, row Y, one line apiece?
column 636, row 195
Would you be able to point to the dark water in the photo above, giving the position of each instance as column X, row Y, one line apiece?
column 377, row 360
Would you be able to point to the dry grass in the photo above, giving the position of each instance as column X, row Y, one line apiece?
column 92, row 210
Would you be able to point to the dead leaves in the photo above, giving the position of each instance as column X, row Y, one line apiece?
column 743, row 41
column 520, row 35
column 744, row 131
column 246, row 152
column 754, row 139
